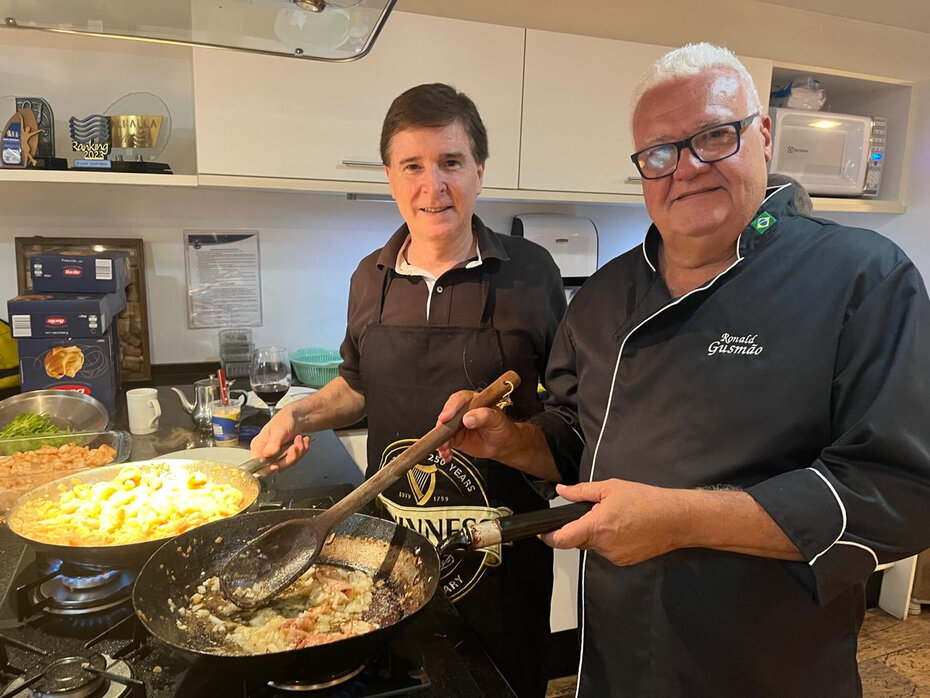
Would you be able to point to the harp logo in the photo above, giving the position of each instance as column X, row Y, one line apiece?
column 422, row 480
column 436, row 499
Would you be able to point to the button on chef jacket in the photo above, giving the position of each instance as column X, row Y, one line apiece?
column 799, row 374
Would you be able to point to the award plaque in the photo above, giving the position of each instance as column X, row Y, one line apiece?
column 91, row 137
column 140, row 126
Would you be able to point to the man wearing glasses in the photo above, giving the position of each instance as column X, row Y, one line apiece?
column 745, row 397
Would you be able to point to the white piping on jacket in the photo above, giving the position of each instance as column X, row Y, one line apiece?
column 610, row 397
column 837, row 541
column 842, row 512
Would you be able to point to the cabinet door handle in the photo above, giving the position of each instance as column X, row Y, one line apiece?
column 634, row 180
column 362, row 163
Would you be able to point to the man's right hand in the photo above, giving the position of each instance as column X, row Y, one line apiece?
column 485, row 431
column 281, row 430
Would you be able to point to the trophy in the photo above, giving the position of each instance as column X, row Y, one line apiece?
column 91, row 137
column 139, row 125
column 29, row 136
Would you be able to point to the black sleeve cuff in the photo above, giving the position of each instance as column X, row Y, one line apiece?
column 564, row 441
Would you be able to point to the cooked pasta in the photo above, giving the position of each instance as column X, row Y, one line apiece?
column 138, row 504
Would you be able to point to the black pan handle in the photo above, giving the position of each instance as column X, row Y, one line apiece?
column 509, row 528
column 542, row 521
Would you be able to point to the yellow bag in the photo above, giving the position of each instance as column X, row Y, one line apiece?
column 9, row 357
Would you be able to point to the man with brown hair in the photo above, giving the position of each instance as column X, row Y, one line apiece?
column 447, row 304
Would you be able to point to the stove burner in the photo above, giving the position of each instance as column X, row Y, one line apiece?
column 90, row 582
column 69, row 676
column 73, row 676
column 299, row 687
column 78, row 595
column 68, row 589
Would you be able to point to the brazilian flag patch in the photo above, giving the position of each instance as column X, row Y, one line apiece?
column 763, row 222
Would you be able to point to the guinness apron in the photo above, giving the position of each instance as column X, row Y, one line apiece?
column 407, row 373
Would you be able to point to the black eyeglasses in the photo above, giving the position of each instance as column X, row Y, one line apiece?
column 710, row 145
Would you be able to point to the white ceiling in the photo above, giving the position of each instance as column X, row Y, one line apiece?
column 904, row 14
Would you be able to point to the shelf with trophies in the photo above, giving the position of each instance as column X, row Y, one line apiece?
column 119, row 146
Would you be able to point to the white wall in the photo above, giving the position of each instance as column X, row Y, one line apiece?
column 310, row 244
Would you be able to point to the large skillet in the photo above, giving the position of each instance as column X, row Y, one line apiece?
column 403, row 559
column 128, row 554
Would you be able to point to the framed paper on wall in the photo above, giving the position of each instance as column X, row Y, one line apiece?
column 132, row 324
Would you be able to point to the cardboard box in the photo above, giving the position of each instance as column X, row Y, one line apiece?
column 34, row 315
column 89, row 365
column 74, row 271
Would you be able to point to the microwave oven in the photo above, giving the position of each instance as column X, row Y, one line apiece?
column 829, row 154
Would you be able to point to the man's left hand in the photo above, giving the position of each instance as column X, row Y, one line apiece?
column 630, row 522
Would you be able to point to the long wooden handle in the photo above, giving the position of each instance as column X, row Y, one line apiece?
column 418, row 450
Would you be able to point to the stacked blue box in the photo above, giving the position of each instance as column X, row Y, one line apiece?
column 68, row 271
column 66, row 329
column 37, row 315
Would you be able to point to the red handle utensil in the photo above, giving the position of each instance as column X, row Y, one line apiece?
column 224, row 388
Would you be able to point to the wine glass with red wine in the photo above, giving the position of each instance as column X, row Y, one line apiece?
column 270, row 375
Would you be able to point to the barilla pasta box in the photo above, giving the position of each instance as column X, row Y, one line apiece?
column 35, row 315
column 70, row 271
column 88, row 365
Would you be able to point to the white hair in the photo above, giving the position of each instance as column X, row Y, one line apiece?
column 691, row 60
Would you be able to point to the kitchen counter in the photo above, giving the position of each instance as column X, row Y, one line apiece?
column 326, row 463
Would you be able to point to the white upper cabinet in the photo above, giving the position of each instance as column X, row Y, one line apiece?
column 576, row 111
column 261, row 116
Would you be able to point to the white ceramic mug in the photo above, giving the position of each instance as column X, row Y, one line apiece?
column 144, row 410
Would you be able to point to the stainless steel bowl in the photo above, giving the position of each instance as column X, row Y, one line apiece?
column 65, row 408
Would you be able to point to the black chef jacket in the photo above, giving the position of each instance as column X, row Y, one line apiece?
column 800, row 374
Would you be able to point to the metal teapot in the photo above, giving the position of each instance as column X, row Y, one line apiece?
column 206, row 391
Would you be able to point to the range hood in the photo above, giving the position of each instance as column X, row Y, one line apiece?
column 325, row 30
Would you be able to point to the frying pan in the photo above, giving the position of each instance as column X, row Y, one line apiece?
column 126, row 554
column 403, row 559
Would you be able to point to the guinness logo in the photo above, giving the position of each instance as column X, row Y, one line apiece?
column 422, row 479
column 436, row 499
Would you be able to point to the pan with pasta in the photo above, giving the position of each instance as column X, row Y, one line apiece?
column 120, row 513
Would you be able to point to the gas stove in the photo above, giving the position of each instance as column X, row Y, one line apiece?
column 69, row 631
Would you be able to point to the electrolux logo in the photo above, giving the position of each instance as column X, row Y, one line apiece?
column 792, row 149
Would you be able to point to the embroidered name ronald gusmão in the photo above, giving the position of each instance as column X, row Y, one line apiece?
column 730, row 344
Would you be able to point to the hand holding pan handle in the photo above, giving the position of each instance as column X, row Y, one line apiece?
column 507, row 528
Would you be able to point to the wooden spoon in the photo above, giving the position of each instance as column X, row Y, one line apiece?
column 273, row 560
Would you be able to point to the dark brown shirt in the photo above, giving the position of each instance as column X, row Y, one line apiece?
column 528, row 300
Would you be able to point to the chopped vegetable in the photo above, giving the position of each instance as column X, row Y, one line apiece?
column 29, row 424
